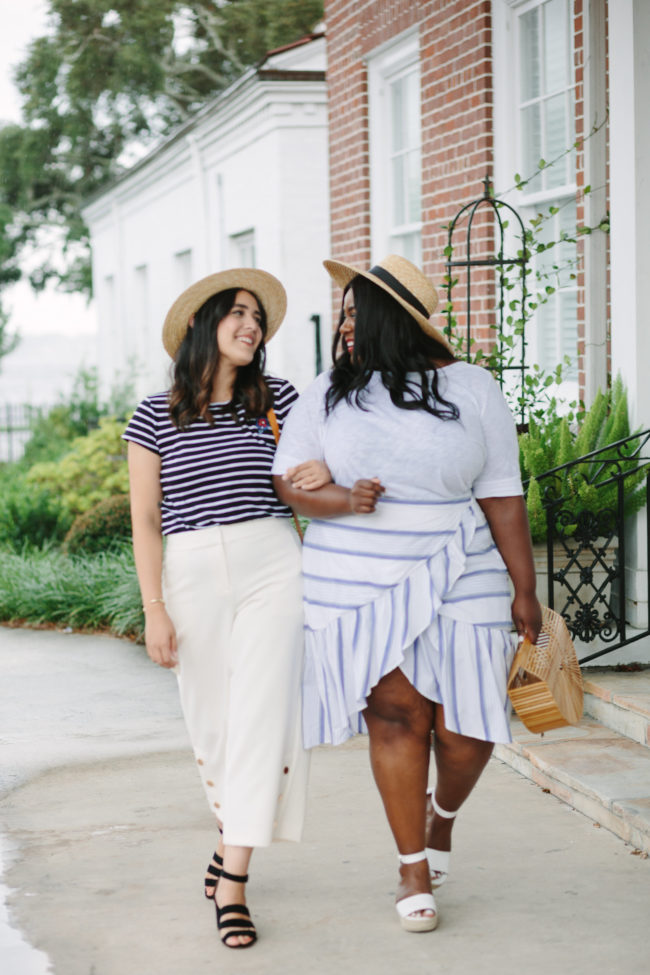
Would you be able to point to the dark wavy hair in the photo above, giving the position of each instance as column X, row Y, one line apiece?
column 388, row 340
column 196, row 363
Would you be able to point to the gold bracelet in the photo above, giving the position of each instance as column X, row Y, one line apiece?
column 158, row 599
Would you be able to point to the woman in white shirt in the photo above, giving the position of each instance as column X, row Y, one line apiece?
column 406, row 561
column 223, row 607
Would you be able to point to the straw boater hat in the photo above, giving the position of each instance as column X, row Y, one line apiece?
column 404, row 282
column 267, row 289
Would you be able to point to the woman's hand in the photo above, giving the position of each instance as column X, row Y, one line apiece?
column 527, row 615
column 364, row 494
column 160, row 636
column 309, row 476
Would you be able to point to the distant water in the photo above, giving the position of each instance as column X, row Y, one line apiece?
column 39, row 372
column 43, row 367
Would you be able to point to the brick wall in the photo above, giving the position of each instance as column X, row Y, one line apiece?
column 455, row 41
column 583, row 129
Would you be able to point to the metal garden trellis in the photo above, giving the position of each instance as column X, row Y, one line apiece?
column 498, row 260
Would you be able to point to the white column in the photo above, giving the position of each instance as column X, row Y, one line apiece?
column 629, row 65
column 595, row 162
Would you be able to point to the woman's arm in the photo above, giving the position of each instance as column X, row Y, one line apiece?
column 330, row 500
column 146, row 495
column 508, row 521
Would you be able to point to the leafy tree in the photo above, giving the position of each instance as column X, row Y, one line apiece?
column 107, row 75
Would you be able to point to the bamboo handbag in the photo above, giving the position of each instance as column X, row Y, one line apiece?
column 545, row 683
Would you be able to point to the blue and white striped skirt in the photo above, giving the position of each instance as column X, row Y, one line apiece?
column 415, row 585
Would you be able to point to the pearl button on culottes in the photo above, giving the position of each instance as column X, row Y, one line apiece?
column 234, row 594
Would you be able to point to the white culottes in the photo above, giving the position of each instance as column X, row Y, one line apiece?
column 234, row 594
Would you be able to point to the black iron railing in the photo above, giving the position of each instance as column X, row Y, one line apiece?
column 586, row 543
column 16, row 423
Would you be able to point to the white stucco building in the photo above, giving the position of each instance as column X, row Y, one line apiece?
column 245, row 183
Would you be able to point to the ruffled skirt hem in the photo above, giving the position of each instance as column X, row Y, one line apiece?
column 460, row 664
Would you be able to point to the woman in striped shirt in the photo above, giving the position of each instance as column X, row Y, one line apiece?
column 407, row 606
column 223, row 603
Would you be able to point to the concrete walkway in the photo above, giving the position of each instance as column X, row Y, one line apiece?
column 106, row 836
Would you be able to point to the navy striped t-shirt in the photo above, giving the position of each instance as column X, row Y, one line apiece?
column 213, row 475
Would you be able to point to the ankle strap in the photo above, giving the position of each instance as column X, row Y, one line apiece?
column 238, row 878
column 412, row 857
column 439, row 810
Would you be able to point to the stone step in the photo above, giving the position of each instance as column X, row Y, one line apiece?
column 620, row 701
column 601, row 773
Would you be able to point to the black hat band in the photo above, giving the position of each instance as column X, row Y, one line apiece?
column 398, row 288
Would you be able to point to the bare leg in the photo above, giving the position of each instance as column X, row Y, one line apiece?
column 459, row 763
column 399, row 723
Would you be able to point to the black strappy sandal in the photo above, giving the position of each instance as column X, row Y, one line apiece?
column 238, row 926
column 214, row 869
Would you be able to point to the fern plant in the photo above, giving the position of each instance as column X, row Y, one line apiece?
column 552, row 442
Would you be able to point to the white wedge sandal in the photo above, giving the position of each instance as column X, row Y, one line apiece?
column 409, row 906
column 438, row 859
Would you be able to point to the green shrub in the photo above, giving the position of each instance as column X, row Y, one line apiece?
column 86, row 592
column 53, row 433
column 105, row 525
column 92, row 470
column 29, row 514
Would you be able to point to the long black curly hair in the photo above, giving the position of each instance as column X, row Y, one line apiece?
column 196, row 363
column 388, row 340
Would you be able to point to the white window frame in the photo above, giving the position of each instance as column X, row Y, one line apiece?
column 243, row 249
column 183, row 269
column 509, row 160
column 387, row 64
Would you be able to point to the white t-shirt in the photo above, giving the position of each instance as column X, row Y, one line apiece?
column 415, row 455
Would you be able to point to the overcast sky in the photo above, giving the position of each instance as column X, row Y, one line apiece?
column 20, row 21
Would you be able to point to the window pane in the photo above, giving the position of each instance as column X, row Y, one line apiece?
column 407, row 245
column 567, row 218
column 557, row 140
column 183, row 269
column 546, row 319
column 399, row 209
column 413, row 175
column 243, row 249
column 569, row 331
column 531, row 138
column 571, row 162
column 546, row 233
column 397, row 95
column 555, row 46
column 530, row 82
column 412, row 108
